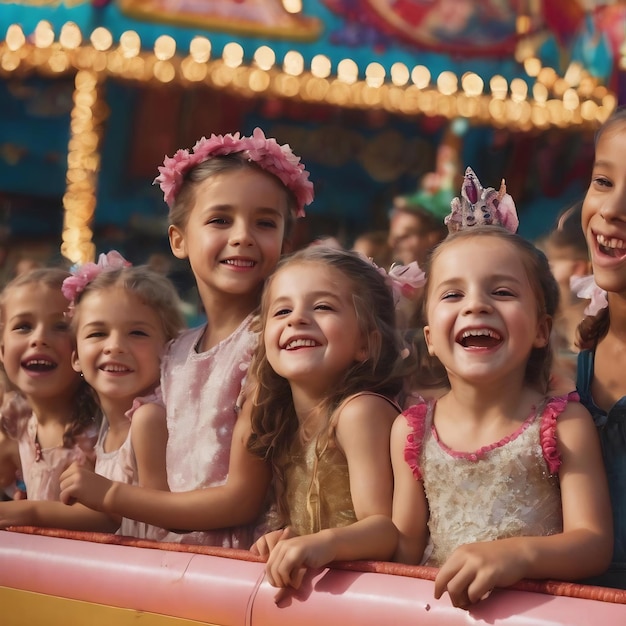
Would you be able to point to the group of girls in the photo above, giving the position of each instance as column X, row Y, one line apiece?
column 275, row 426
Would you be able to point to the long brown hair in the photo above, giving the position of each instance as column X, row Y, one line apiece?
column 274, row 421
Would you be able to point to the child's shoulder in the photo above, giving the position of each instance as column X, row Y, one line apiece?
column 365, row 398
column 364, row 407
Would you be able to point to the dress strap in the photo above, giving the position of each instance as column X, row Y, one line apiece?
column 418, row 417
column 553, row 408
column 335, row 416
column 584, row 375
column 393, row 403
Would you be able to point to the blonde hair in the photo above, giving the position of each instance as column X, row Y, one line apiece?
column 152, row 288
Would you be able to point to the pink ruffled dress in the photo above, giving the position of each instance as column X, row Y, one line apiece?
column 42, row 467
column 201, row 390
column 121, row 465
column 507, row 489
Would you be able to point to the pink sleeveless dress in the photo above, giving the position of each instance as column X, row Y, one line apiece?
column 507, row 489
column 201, row 390
column 121, row 465
column 42, row 467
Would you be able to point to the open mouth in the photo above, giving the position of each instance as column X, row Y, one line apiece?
column 479, row 338
column 39, row 365
column 611, row 246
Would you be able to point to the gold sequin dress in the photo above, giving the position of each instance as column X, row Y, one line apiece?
column 507, row 489
column 318, row 484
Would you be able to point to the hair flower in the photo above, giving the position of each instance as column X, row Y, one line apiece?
column 585, row 287
column 82, row 275
column 406, row 280
column 267, row 153
column 403, row 280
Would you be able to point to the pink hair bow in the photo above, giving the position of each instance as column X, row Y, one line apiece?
column 83, row 274
column 585, row 287
column 403, row 280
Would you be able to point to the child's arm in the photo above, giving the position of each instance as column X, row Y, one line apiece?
column 9, row 460
column 238, row 501
column 55, row 514
column 584, row 547
column 362, row 432
column 149, row 440
column 410, row 507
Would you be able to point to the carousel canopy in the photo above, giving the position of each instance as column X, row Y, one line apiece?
column 519, row 66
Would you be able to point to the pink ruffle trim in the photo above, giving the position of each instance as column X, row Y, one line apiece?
column 547, row 435
column 416, row 417
column 154, row 398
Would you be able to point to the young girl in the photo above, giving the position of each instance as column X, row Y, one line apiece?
column 328, row 370
column 232, row 200
column 602, row 360
column 508, row 480
column 123, row 317
column 57, row 423
column 567, row 253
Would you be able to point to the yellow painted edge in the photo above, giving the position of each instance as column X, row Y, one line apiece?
column 26, row 608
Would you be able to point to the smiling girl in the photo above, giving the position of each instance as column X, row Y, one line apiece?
column 54, row 417
column 602, row 361
column 507, row 480
column 328, row 370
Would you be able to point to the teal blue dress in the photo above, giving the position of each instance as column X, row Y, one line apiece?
column 612, row 430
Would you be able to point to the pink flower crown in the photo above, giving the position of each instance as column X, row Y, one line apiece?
column 478, row 205
column 83, row 274
column 276, row 159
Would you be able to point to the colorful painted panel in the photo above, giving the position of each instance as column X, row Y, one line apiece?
column 266, row 18
column 468, row 27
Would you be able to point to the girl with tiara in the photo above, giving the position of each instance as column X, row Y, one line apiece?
column 506, row 479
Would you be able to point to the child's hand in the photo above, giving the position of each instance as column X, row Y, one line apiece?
column 474, row 569
column 264, row 545
column 289, row 559
column 79, row 483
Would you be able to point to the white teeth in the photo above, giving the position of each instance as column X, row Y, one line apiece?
column 115, row 368
column 480, row 332
column 611, row 242
column 239, row 263
column 39, row 362
column 300, row 343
